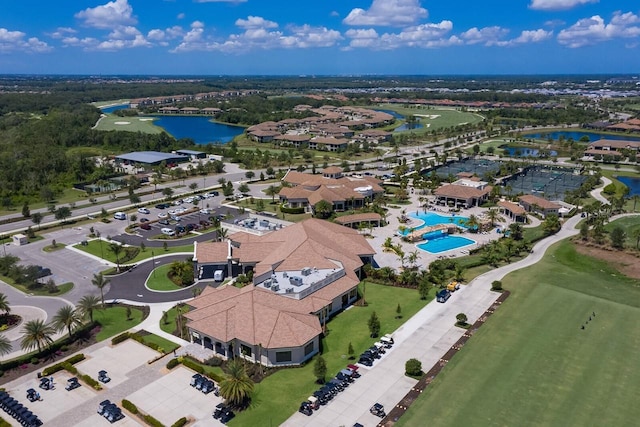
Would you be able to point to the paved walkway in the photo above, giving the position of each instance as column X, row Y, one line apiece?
column 427, row 336
column 597, row 193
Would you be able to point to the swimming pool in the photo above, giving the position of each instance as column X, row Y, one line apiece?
column 432, row 218
column 445, row 243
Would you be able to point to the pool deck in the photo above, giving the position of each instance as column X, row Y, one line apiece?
column 390, row 259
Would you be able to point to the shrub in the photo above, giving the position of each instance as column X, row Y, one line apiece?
column 285, row 209
column 35, row 361
column 173, row 363
column 496, row 285
column 214, row 361
column 120, row 338
column 413, row 367
column 90, row 381
column 65, row 364
column 152, row 421
column 129, row 406
column 461, row 319
column 181, row 422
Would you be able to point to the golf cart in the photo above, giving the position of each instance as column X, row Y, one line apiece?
column 33, row 395
column 305, row 408
column 378, row 410
column 72, row 384
column 103, row 377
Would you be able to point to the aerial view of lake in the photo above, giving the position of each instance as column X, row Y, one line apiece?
column 405, row 126
column 112, row 108
column 199, row 128
column 577, row 135
column 632, row 183
column 525, row 152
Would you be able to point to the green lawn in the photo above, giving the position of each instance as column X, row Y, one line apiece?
column 130, row 124
column 159, row 280
column 629, row 224
column 170, row 327
column 101, row 250
column 292, row 386
column 62, row 288
column 166, row 345
column 114, row 321
column 531, row 364
column 437, row 118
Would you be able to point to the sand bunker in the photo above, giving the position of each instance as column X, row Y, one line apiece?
column 428, row 116
column 146, row 119
column 122, row 123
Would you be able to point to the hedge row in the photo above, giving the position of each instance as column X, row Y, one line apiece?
column 173, row 363
column 90, row 381
column 192, row 364
column 48, row 351
column 120, row 338
column 131, row 407
column 285, row 209
column 181, row 422
column 65, row 364
column 134, row 336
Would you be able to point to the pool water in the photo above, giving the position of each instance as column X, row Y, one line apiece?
column 432, row 218
column 445, row 243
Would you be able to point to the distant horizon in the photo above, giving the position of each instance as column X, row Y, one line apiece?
column 323, row 38
column 631, row 76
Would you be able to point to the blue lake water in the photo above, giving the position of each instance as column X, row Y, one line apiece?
column 199, row 128
column 525, row 152
column 577, row 135
column 632, row 183
column 393, row 113
column 401, row 117
column 111, row 109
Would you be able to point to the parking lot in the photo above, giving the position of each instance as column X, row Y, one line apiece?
column 166, row 395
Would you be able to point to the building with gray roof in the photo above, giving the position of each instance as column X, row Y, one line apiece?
column 151, row 158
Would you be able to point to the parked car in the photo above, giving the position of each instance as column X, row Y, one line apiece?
column 164, row 222
column 103, row 377
column 205, row 211
column 162, row 206
column 145, row 226
column 144, row 211
column 168, row 232
column 163, row 215
column 443, row 295
column 144, row 220
column 120, row 215
column 365, row 360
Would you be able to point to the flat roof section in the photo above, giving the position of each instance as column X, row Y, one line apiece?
column 151, row 157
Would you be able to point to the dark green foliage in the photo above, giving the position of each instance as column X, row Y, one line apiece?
column 413, row 367
column 120, row 338
column 152, row 421
column 173, row 363
column 129, row 406
column 320, row 369
column 181, row 422
column 374, row 325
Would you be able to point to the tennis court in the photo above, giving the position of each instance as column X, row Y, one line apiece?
column 544, row 181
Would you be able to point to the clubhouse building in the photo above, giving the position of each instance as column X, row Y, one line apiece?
column 302, row 275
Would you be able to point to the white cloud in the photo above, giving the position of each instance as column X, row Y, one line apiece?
column 488, row 36
column 16, row 41
column 528, row 36
column 109, row 15
column 387, row 13
column 181, row 16
column 558, row 4
column 362, row 38
column 167, row 34
column 61, row 32
column 220, row 1
column 426, row 36
column 259, row 34
column 255, row 22
column 594, row 30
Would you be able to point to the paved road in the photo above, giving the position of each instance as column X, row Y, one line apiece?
column 131, row 285
column 597, row 193
column 427, row 336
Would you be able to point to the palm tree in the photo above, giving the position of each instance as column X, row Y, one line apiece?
column 67, row 318
column 4, row 304
column 87, row 305
column 36, row 334
column 222, row 233
column 237, row 387
column 5, row 345
column 494, row 216
column 100, row 282
column 116, row 249
column 472, row 223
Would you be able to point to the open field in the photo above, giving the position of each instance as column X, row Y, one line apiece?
column 292, row 386
column 433, row 118
column 130, row 124
column 531, row 364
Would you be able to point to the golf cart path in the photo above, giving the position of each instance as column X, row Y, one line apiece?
column 426, row 336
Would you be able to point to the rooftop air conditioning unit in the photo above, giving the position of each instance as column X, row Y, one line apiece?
column 306, row 271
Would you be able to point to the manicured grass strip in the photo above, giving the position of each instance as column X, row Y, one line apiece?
column 531, row 364
column 163, row 344
column 62, row 289
column 292, row 386
column 114, row 321
column 170, row 326
column 101, row 250
column 159, row 280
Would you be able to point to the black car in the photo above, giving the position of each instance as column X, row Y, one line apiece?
column 443, row 295
column 162, row 206
column 366, row 361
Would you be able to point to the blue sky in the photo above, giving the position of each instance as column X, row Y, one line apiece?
column 320, row 37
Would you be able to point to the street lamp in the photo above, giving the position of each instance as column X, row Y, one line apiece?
column 153, row 262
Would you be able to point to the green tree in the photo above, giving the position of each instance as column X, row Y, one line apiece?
column 249, row 174
column 237, row 387
column 272, row 191
column 87, row 305
column 496, row 285
column 374, row 325
column 243, row 188
column 423, row 288
column 323, row 209
column 5, row 345
column 182, row 272
column 26, row 213
column 36, row 334
column 100, row 282
column 320, row 369
column 67, row 318
column 515, row 231
column 413, row 367
column 398, row 312
column 551, row 224
column 62, row 213
column 36, row 218
column 462, row 319
column 116, row 249
column 351, row 351
column 4, row 304
column 584, row 231
column 618, row 237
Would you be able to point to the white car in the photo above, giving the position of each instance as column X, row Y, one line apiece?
column 168, row 232
column 172, row 212
column 205, row 211
column 163, row 215
column 144, row 211
column 180, row 210
column 188, row 200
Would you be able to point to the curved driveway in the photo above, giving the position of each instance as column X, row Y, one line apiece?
column 130, row 286
column 597, row 193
